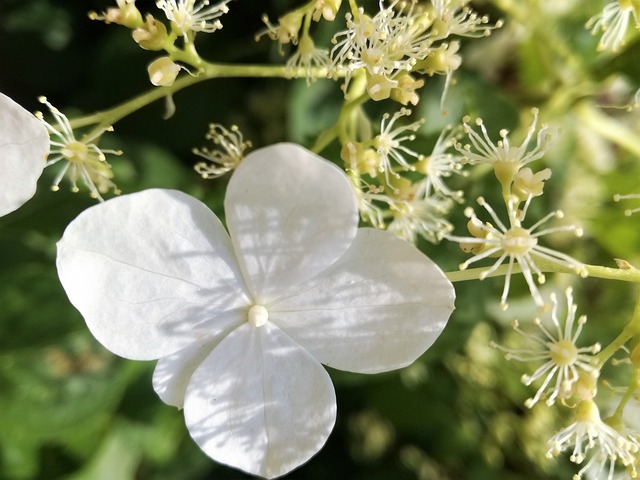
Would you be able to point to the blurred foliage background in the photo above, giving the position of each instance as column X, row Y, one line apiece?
column 71, row 410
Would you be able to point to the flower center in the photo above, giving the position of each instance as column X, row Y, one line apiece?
column 75, row 151
column 517, row 241
column 563, row 353
column 258, row 315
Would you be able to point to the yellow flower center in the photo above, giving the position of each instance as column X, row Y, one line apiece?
column 563, row 353
column 75, row 151
column 518, row 241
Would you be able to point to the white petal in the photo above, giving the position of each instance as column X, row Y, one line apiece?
column 378, row 308
column 173, row 372
column 290, row 214
column 151, row 272
column 260, row 403
column 24, row 145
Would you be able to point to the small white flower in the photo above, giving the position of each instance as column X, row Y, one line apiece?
column 422, row 216
column 227, row 154
column 242, row 321
column 562, row 358
column 389, row 143
column 506, row 160
column 590, row 436
column 614, row 21
column 83, row 159
column 24, row 144
column 454, row 19
column 440, row 165
column 385, row 44
column 307, row 56
column 517, row 243
column 194, row 15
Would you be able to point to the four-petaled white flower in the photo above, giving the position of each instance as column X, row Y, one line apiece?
column 563, row 359
column 241, row 322
column 24, row 145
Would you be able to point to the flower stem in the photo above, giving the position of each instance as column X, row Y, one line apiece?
column 596, row 271
column 107, row 118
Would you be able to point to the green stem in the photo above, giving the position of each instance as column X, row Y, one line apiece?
column 631, row 330
column 107, row 118
column 595, row 271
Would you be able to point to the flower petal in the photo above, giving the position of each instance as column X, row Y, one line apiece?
column 151, row 272
column 378, row 308
column 290, row 214
column 260, row 403
column 173, row 372
column 24, row 145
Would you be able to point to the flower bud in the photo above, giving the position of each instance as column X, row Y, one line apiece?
column 527, row 183
column 152, row 35
column 405, row 92
column 379, row 87
column 125, row 14
column 163, row 72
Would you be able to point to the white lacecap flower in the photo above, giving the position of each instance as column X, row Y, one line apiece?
column 194, row 15
column 24, row 145
column 227, row 153
column 83, row 160
column 242, row 321
column 562, row 358
column 614, row 22
column 592, row 438
column 517, row 244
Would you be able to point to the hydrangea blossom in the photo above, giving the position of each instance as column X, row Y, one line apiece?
column 241, row 322
column 24, row 144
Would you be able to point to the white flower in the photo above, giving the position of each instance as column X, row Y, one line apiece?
column 389, row 143
column 83, row 159
column 194, row 15
column 307, row 56
column 24, row 145
column 241, row 322
column 422, row 216
column 563, row 359
column 517, row 243
column 589, row 435
column 614, row 21
column 385, row 44
column 439, row 165
column 452, row 18
column 505, row 159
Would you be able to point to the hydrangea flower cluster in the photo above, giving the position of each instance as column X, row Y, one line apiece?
column 242, row 321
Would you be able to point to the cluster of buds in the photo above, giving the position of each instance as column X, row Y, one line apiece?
column 185, row 18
